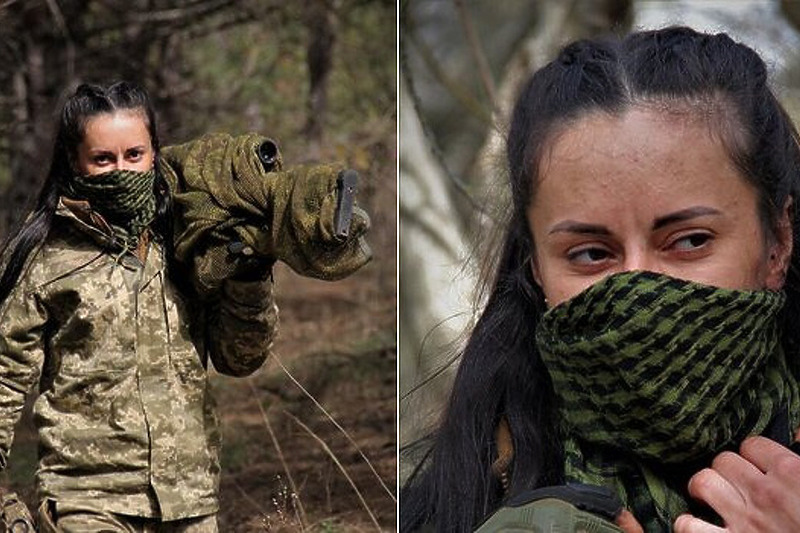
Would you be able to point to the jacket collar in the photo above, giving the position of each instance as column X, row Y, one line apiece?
column 92, row 223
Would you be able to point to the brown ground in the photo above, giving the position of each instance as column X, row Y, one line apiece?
column 338, row 340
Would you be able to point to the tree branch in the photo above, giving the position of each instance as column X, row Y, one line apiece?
column 182, row 14
column 471, row 104
column 58, row 16
column 477, row 52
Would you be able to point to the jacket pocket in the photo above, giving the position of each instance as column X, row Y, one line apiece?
column 91, row 322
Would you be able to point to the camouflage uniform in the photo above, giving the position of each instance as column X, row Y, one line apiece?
column 125, row 417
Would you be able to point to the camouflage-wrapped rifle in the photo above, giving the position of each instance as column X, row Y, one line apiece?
column 233, row 198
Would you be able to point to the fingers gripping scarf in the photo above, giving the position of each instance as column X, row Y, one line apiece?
column 655, row 374
column 125, row 199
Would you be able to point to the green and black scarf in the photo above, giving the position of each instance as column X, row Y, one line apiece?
column 655, row 376
column 125, row 199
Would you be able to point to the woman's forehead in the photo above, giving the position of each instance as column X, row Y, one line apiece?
column 638, row 152
column 115, row 127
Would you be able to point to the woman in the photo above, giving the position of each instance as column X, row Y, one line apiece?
column 90, row 315
column 642, row 316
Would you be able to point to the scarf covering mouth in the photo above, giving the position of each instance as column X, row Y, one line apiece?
column 125, row 198
column 655, row 375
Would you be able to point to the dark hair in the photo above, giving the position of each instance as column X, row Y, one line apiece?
column 501, row 373
column 87, row 102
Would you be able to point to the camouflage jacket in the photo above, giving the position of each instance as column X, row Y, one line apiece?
column 124, row 412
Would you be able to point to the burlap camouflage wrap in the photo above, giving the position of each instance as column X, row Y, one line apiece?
column 223, row 193
column 125, row 417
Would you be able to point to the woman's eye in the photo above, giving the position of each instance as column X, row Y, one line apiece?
column 691, row 242
column 101, row 159
column 588, row 256
column 135, row 154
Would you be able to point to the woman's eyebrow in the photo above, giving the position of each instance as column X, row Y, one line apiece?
column 573, row 226
column 684, row 214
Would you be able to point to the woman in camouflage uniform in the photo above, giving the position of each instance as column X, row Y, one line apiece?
column 92, row 316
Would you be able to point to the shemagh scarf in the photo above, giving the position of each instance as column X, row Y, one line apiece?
column 125, row 199
column 655, row 376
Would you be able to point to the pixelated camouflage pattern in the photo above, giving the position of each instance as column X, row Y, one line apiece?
column 223, row 193
column 125, row 416
column 57, row 517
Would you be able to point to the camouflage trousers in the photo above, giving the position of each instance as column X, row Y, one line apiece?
column 68, row 519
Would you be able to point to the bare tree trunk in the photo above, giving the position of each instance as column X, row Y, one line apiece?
column 30, row 137
column 435, row 296
column 320, row 23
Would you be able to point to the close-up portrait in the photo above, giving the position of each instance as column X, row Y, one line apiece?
column 198, row 266
column 599, row 264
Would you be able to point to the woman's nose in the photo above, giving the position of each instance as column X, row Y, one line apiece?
column 641, row 260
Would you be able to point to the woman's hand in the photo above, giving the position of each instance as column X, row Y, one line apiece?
column 628, row 523
column 757, row 490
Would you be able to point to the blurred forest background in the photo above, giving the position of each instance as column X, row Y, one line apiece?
column 320, row 77
column 462, row 63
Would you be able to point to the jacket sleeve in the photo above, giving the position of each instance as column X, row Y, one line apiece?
column 22, row 324
column 240, row 315
column 241, row 326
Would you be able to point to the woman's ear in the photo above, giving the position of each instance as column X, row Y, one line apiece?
column 780, row 252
